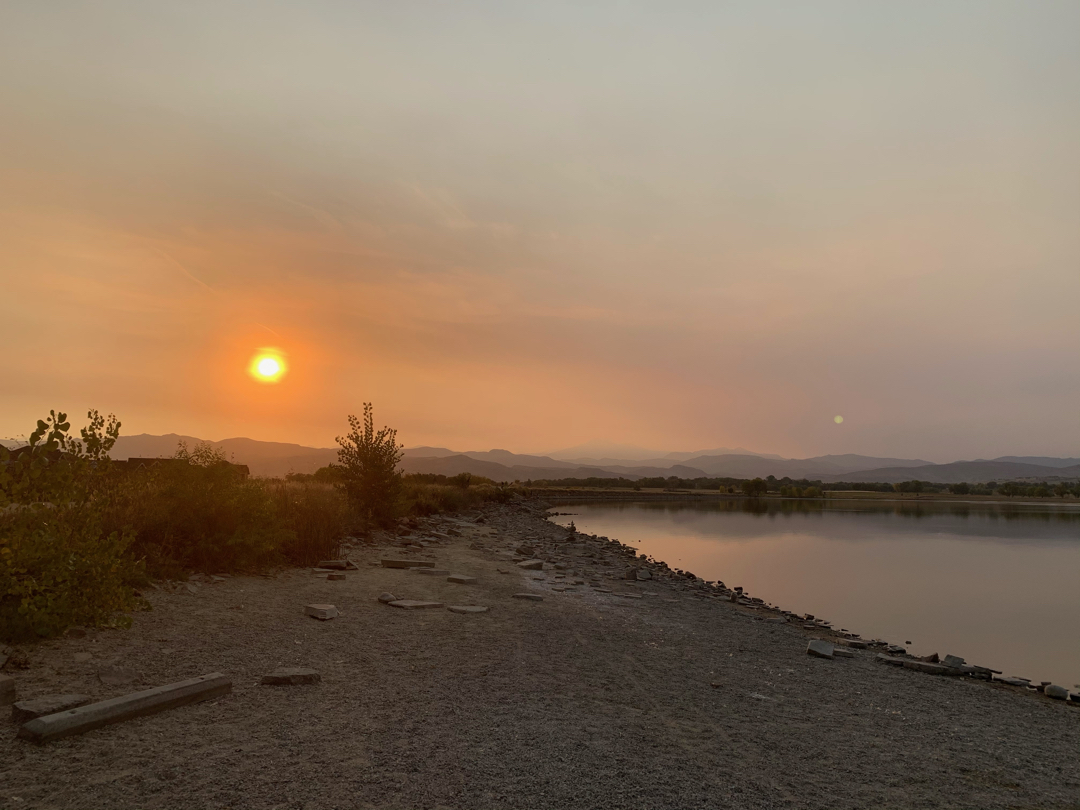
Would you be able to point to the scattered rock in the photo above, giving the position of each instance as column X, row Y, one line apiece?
column 433, row 572
column 1014, row 681
column 7, row 690
column 386, row 597
column 954, row 661
column 644, row 573
column 467, row 609
column 406, row 564
column 932, row 658
column 337, row 565
column 854, row 643
column 111, row 675
column 821, row 649
column 524, row 550
column 840, row 652
column 1056, row 692
column 630, row 573
column 895, row 649
column 335, row 577
column 931, row 669
column 291, row 676
column 531, row 565
column 26, row 710
column 888, row 659
column 321, row 612
column 535, row 597
column 461, row 579
column 415, row 604
column 716, row 684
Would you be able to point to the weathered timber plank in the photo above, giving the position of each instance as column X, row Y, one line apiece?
column 160, row 698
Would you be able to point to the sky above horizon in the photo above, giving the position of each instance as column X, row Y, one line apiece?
column 529, row 226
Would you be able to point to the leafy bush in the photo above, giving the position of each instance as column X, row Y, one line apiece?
column 368, row 461
column 317, row 516
column 197, row 512
column 59, row 563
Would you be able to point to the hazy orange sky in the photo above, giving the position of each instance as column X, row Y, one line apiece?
column 678, row 225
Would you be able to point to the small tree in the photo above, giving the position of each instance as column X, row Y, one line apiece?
column 368, row 461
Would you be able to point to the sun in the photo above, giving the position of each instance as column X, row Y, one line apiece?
column 268, row 365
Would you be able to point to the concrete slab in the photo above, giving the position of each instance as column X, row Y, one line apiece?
column 151, row 701
column 26, row 710
column 820, row 649
column 321, row 612
column 415, row 604
column 467, row 609
column 433, row 572
column 461, row 579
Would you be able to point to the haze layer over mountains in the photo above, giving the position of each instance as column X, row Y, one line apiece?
column 599, row 460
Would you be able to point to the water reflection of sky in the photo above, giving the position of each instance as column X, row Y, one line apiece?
column 997, row 584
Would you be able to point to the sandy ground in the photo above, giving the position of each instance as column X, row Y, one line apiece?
column 584, row 700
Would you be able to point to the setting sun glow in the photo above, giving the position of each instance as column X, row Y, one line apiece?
column 267, row 366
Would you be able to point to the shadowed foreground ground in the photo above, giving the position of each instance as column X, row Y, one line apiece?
column 583, row 700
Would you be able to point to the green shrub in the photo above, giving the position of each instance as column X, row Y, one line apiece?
column 197, row 512
column 368, row 461
column 60, row 565
column 317, row 516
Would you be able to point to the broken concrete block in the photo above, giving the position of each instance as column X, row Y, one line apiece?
column 291, row 676
column 26, row 710
column 407, row 564
column 931, row 669
column 1014, row 681
column 535, row 597
column 467, row 609
column 819, row 648
column 461, row 579
column 321, row 612
column 1056, row 692
column 531, row 565
column 888, row 659
column 433, row 572
column 95, row 715
column 952, row 661
column 7, row 690
column 415, row 604
column 335, row 577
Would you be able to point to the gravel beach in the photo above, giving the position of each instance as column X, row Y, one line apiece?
column 615, row 694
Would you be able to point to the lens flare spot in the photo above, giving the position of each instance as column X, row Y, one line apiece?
column 838, row 419
column 268, row 365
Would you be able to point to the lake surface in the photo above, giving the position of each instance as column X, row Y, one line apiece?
column 996, row 584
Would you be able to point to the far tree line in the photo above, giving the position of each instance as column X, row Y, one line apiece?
column 807, row 488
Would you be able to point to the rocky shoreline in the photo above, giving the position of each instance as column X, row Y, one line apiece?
column 567, row 684
column 645, row 568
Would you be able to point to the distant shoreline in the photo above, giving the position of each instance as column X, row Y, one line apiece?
column 610, row 494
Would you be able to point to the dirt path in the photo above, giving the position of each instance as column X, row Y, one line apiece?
column 584, row 700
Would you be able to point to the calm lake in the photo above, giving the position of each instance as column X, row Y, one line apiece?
column 996, row 584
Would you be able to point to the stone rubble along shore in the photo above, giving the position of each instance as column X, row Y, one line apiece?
column 597, row 679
